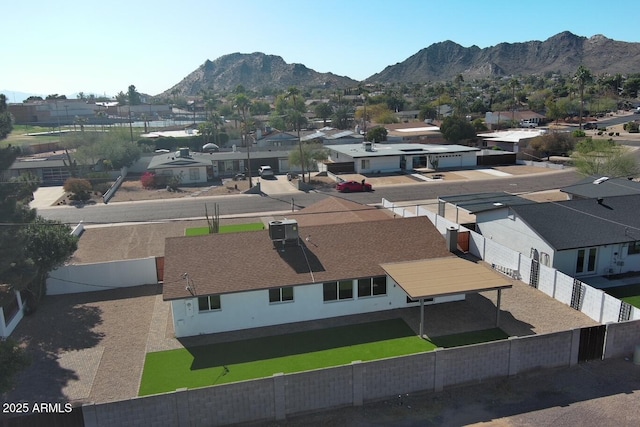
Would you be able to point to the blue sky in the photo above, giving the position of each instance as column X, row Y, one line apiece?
column 102, row 47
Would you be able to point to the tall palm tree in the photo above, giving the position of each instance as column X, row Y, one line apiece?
column 292, row 93
column 582, row 77
column 513, row 84
column 242, row 104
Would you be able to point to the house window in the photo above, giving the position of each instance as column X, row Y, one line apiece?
column 372, row 286
column 194, row 174
column 365, row 164
column 634, row 248
column 281, row 294
column 333, row 291
column 209, row 303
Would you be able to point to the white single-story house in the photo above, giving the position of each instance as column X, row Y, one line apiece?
column 291, row 274
column 510, row 140
column 370, row 157
column 582, row 237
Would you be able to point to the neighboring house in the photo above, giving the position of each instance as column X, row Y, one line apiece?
column 598, row 186
column 385, row 158
column 513, row 140
column 588, row 237
column 191, row 167
column 493, row 118
column 414, row 132
column 277, row 140
column 50, row 170
column 225, row 282
column 331, row 136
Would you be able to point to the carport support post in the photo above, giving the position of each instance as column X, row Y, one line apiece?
column 421, row 317
column 498, row 308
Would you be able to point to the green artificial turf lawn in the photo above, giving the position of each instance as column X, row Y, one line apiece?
column 262, row 357
column 232, row 228
column 627, row 293
column 634, row 301
column 468, row 338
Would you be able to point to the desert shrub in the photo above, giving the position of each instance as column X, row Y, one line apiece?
column 579, row 134
column 79, row 188
column 148, row 180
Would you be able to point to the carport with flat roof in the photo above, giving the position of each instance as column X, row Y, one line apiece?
column 440, row 277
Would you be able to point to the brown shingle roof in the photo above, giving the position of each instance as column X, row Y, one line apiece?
column 228, row 263
column 334, row 210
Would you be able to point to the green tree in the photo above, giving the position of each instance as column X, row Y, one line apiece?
column 605, row 158
column 260, row 108
column 13, row 359
column 427, row 111
column 582, row 77
column 324, row 111
column 456, row 129
column 49, row 245
column 554, row 143
column 377, row 134
column 6, row 124
column 341, row 117
column 308, row 155
column 133, row 96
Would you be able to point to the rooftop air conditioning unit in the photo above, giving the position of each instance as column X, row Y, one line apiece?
column 283, row 230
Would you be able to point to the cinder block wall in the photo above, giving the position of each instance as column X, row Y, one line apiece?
column 352, row 385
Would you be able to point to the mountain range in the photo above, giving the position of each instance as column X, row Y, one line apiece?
column 561, row 53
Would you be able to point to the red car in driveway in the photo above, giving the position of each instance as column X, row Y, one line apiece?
column 349, row 186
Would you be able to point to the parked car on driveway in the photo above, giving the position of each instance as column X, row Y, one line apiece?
column 266, row 171
column 349, row 186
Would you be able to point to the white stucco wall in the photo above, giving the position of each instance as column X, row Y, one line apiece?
column 186, row 177
column 252, row 309
column 382, row 164
column 100, row 276
column 509, row 230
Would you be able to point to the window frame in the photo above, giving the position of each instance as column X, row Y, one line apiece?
column 369, row 284
column 339, row 290
column 215, row 306
column 281, row 297
column 634, row 248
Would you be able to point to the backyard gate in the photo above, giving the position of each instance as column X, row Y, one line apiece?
column 591, row 343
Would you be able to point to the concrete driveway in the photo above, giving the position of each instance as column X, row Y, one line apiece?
column 46, row 196
column 278, row 184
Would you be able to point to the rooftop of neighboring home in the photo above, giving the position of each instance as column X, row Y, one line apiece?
column 512, row 135
column 382, row 150
column 481, row 202
column 598, row 186
column 321, row 253
column 585, row 222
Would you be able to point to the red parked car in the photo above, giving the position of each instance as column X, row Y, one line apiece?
column 349, row 186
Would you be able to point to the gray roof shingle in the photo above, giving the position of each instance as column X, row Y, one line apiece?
column 585, row 222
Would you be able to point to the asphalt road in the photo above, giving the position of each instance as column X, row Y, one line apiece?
column 156, row 210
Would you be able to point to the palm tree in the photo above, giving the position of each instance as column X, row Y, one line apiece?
column 513, row 84
column 292, row 93
column 242, row 104
column 582, row 77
